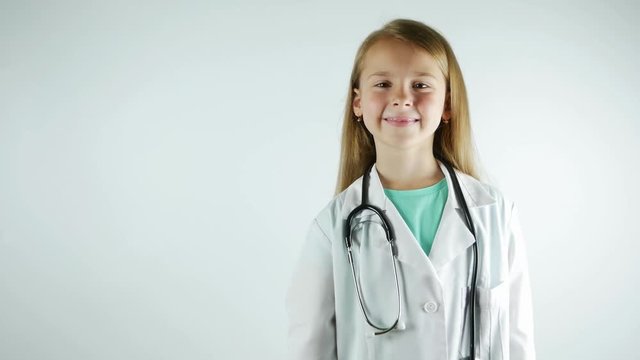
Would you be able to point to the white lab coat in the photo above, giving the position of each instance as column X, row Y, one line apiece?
column 324, row 316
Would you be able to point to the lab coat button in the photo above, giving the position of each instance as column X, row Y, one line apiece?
column 430, row 307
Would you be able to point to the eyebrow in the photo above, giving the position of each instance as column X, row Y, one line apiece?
column 417, row 73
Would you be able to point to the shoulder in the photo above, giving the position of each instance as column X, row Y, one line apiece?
column 331, row 216
column 483, row 193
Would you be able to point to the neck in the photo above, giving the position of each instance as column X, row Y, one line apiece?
column 407, row 170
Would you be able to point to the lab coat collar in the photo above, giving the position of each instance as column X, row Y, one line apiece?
column 452, row 236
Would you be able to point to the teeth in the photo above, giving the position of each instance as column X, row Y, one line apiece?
column 410, row 120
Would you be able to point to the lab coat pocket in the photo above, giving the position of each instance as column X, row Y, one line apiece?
column 492, row 321
column 382, row 346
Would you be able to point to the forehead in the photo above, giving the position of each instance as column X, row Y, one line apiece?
column 398, row 58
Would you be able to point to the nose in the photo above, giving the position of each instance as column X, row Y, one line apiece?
column 402, row 97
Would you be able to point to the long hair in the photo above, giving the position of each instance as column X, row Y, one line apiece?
column 452, row 142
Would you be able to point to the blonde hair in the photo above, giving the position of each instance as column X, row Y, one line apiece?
column 452, row 142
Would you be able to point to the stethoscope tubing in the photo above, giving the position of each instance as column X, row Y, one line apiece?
column 386, row 224
column 460, row 197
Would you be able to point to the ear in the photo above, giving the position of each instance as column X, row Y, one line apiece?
column 446, row 114
column 356, row 102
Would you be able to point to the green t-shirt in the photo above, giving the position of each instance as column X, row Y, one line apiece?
column 422, row 210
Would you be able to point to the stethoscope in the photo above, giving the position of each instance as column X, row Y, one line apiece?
column 386, row 224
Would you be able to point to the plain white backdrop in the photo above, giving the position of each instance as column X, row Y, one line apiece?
column 160, row 162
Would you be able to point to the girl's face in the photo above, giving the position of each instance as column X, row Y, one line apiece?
column 401, row 96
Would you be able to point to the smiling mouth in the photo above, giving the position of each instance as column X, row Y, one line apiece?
column 400, row 120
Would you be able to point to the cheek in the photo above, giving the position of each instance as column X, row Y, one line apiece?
column 432, row 104
column 375, row 101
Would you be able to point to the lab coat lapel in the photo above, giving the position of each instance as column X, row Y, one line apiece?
column 409, row 251
column 452, row 236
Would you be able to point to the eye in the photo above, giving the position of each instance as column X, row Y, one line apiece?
column 426, row 86
column 382, row 83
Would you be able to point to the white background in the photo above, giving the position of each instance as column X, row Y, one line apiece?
column 160, row 163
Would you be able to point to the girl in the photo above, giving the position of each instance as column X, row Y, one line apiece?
column 434, row 257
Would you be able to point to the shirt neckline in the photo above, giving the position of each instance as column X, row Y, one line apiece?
column 418, row 192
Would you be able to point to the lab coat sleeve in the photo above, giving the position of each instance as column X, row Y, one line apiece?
column 310, row 303
column 521, row 344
